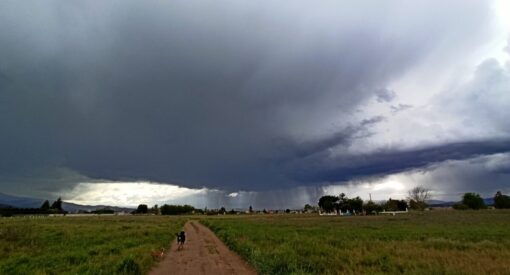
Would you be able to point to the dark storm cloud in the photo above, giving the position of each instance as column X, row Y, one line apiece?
column 451, row 179
column 224, row 94
column 326, row 168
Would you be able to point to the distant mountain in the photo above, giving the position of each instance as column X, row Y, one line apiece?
column 489, row 201
column 72, row 207
column 5, row 206
column 24, row 202
column 20, row 202
column 439, row 203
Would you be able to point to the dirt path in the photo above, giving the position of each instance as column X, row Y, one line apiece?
column 203, row 253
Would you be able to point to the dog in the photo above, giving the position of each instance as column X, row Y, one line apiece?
column 181, row 238
column 158, row 254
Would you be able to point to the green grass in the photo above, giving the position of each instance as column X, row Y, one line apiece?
column 435, row 242
column 83, row 245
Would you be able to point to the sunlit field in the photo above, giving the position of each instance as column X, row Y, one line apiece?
column 83, row 245
column 435, row 242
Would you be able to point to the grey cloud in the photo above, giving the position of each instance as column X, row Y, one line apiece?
column 400, row 107
column 507, row 48
column 327, row 167
column 373, row 120
column 451, row 179
column 227, row 96
column 484, row 102
column 385, row 95
column 499, row 163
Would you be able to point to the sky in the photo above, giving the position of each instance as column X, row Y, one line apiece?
column 264, row 103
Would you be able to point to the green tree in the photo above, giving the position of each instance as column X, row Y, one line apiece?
column 57, row 205
column 355, row 204
column 142, row 209
column 395, row 205
column 328, row 203
column 473, row 201
column 501, row 201
column 342, row 203
column 372, row 208
column 46, row 205
column 176, row 209
column 154, row 210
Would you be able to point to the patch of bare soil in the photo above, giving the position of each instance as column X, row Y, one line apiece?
column 203, row 253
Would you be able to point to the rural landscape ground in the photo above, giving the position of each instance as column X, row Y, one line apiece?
column 431, row 242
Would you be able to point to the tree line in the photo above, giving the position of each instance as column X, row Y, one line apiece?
column 476, row 202
column 343, row 204
column 416, row 200
column 166, row 209
column 45, row 209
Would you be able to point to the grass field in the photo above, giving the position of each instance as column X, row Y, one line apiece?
column 434, row 242
column 83, row 245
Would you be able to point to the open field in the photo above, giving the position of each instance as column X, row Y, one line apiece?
column 83, row 245
column 435, row 242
